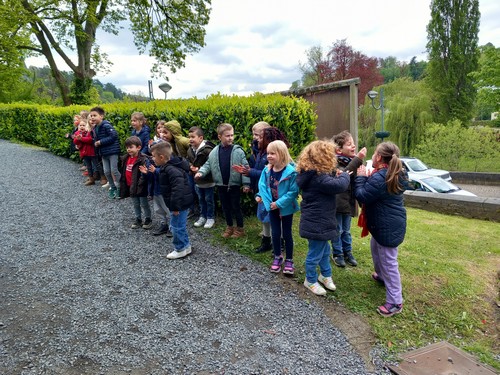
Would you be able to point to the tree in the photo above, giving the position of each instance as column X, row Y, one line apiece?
column 452, row 35
column 311, row 70
column 168, row 30
column 417, row 68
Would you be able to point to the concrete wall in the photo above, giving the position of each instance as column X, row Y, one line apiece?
column 476, row 178
column 473, row 207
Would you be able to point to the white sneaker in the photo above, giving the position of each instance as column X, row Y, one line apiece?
column 327, row 282
column 179, row 254
column 105, row 186
column 209, row 224
column 315, row 288
column 199, row 223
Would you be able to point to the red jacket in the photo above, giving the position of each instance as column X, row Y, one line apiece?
column 85, row 144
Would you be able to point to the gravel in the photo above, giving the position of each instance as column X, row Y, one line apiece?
column 82, row 293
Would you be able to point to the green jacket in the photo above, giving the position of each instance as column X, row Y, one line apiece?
column 238, row 157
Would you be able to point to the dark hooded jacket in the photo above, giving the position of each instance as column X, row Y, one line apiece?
column 174, row 184
column 110, row 144
column 139, row 186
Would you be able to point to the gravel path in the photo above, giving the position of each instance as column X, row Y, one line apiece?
column 81, row 293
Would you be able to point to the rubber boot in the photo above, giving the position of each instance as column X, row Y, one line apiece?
column 265, row 245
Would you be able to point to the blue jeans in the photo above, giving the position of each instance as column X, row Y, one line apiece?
column 318, row 254
column 91, row 164
column 342, row 243
column 178, row 226
column 141, row 202
column 110, row 165
column 206, row 199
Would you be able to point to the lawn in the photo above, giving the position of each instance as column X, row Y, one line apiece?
column 450, row 269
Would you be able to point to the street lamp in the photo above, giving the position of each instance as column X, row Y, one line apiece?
column 372, row 95
column 165, row 87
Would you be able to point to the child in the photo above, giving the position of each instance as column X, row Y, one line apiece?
column 197, row 155
column 134, row 184
column 347, row 160
column 278, row 192
column 177, row 194
column 141, row 130
column 180, row 144
column 108, row 147
column 83, row 140
column 228, row 181
column 319, row 187
column 71, row 136
column 381, row 195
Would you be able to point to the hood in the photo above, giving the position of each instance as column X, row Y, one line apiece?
column 179, row 162
column 174, row 127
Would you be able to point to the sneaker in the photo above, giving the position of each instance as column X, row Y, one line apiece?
column 105, row 186
column 209, row 223
column 276, row 265
column 315, row 288
column 200, row 222
column 137, row 224
column 112, row 193
column 179, row 254
column 389, row 309
column 162, row 229
column 117, row 193
column 85, row 173
column 349, row 259
column 83, row 168
column 339, row 261
column 327, row 282
column 288, row 268
column 148, row 224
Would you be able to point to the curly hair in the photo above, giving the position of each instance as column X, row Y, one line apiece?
column 318, row 156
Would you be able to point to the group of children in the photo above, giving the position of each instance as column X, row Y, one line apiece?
column 175, row 170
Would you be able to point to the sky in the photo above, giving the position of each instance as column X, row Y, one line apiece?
column 257, row 45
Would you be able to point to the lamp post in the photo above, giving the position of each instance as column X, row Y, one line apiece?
column 165, row 87
column 372, row 95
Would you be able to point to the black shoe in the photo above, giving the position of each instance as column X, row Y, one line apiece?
column 339, row 261
column 169, row 234
column 148, row 224
column 349, row 258
column 162, row 229
column 265, row 245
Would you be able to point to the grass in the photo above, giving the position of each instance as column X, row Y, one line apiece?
column 449, row 269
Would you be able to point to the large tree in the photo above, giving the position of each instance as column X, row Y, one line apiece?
column 452, row 35
column 167, row 29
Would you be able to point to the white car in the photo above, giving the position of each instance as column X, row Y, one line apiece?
column 414, row 165
column 433, row 184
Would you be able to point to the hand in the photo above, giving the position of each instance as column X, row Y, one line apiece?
column 143, row 169
column 273, row 206
column 97, row 143
column 242, row 169
column 198, row 176
column 194, row 169
column 362, row 153
column 152, row 168
column 361, row 171
column 258, row 199
column 175, row 213
column 246, row 189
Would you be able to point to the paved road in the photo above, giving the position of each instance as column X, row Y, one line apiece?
column 482, row 190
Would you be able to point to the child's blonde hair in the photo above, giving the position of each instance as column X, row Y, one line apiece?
column 163, row 148
column 318, row 156
column 139, row 116
column 84, row 114
column 224, row 127
column 280, row 148
column 259, row 126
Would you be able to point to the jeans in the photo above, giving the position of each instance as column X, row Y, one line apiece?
column 230, row 201
column 318, row 254
column 141, row 202
column 161, row 209
column 342, row 243
column 206, row 200
column 385, row 261
column 178, row 226
column 110, row 165
column 281, row 226
column 91, row 164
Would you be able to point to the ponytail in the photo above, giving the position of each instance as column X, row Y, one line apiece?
column 389, row 153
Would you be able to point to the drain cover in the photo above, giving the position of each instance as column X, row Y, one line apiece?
column 440, row 359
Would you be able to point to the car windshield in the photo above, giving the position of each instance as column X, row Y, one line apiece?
column 416, row 165
column 440, row 185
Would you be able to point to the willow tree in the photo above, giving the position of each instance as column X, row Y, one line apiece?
column 452, row 44
column 168, row 30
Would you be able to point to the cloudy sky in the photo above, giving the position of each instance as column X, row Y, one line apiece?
column 256, row 45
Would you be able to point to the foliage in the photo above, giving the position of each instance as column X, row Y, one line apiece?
column 167, row 30
column 453, row 55
column 487, row 82
column 392, row 69
column 458, row 148
column 311, row 70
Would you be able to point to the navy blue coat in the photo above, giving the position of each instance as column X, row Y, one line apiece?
column 385, row 213
column 319, row 191
column 110, row 144
column 174, row 184
column 144, row 136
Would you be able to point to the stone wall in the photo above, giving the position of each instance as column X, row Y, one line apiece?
column 476, row 178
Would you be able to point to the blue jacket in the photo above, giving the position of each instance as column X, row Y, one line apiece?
column 319, row 191
column 288, row 190
column 107, row 135
column 258, row 164
column 385, row 213
column 144, row 137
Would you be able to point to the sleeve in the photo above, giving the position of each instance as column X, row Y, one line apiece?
column 368, row 190
column 293, row 191
column 111, row 135
column 264, row 191
column 205, row 169
column 176, row 181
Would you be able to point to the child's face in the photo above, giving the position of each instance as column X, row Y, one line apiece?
column 95, row 118
column 227, row 137
column 272, row 156
column 162, row 133
column 133, row 150
column 167, row 135
column 195, row 140
column 376, row 159
column 349, row 148
column 158, row 159
column 257, row 135
column 136, row 123
column 81, row 127
column 76, row 121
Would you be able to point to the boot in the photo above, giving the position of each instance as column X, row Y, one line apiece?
column 349, row 258
column 238, row 232
column 90, row 181
column 265, row 245
column 104, row 180
column 228, row 232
